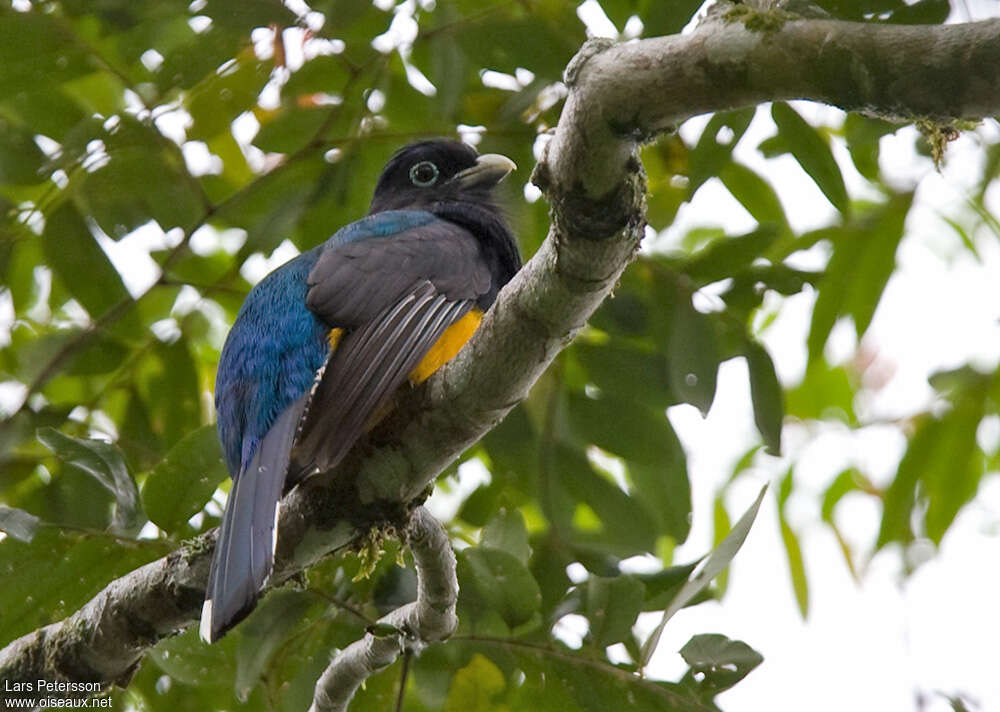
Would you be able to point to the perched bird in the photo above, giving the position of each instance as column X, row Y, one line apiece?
column 321, row 343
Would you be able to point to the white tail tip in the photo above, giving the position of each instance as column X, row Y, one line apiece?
column 205, row 630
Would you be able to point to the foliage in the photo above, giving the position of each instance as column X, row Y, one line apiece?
column 208, row 134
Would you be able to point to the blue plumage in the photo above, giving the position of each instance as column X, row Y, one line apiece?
column 277, row 344
column 433, row 248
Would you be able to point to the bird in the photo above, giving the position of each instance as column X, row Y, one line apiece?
column 322, row 343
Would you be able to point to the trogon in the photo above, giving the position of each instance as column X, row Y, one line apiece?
column 322, row 343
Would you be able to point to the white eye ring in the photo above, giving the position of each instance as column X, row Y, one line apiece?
column 424, row 174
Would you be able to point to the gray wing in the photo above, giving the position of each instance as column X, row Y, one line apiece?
column 394, row 296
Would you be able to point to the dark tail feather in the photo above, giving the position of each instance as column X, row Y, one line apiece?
column 244, row 551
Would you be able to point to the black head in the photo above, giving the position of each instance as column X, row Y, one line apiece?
column 451, row 180
column 423, row 174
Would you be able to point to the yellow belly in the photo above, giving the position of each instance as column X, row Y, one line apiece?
column 445, row 348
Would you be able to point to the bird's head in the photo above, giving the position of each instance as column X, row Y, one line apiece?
column 439, row 171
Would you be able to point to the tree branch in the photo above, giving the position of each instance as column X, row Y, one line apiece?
column 620, row 95
column 428, row 619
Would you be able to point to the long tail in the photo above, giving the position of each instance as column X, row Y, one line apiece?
column 244, row 551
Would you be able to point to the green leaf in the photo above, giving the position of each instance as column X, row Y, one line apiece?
column 922, row 12
column 694, row 358
column 722, row 662
column 80, row 263
column 862, row 134
column 291, row 128
column 825, row 393
column 73, row 568
column 35, row 52
column 263, row 633
column 17, row 523
column 634, row 432
column 665, row 491
column 726, row 256
column 711, row 154
column 611, row 605
column 506, row 531
column 845, row 482
column 104, row 463
column 793, row 551
column 755, row 194
column 21, row 160
column 942, row 457
column 184, row 481
column 715, row 563
column 667, row 18
column 142, row 178
column 554, row 679
column 494, row 581
column 625, row 528
column 864, row 256
column 766, row 394
column 221, row 97
column 663, row 585
column 622, row 369
column 812, row 152
column 189, row 661
column 474, row 686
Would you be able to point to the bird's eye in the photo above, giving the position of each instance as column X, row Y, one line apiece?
column 424, row 174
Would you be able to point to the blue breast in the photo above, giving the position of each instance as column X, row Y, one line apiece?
column 277, row 345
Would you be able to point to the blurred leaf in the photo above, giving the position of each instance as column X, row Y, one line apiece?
column 665, row 490
column 217, row 100
column 474, row 686
column 721, row 525
column 80, row 263
column 796, row 564
column 21, row 160
column 720, row 661
column 18, row 524
column 554, row 679
column 863, row 134
column 942, row 465
column 755, row 194
column 506, row 531
column 715, row 146
column 661, row 587
column 812, row 152
column 625, row 370
column 844, row 483
column 825, row 393
column 73, row 569
column 725, row 256
column 864, row 256
column 635, row 432
column 667, row 18
column 768, row 398
column 694, row 360
column 717, row 561
column 626, row 527
column 136, row 176
column 611, row 605
column 922, row 12
column 267, row 629
column 496, row 581
column 184, row 481
column 35, row 52
column 104, row 463
column 290, row 128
